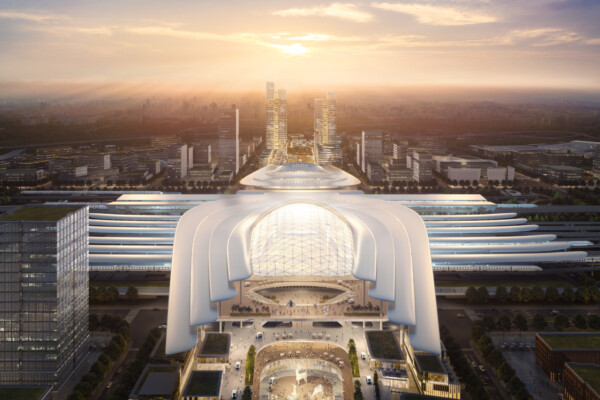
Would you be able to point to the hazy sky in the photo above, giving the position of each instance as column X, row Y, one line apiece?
column 240, row 44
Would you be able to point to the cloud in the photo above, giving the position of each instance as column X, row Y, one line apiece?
column 31, row 16
column 593, row 41
column 542, row 36
column 348, row 12
column 437, row 15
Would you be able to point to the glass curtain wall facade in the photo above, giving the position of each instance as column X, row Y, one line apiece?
column 43, row 299
column 229, row 144
column 302, row 239
column 276, row 120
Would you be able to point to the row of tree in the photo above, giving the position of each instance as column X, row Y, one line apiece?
column 134, row 369
column 92, row 379
column 535, row 294
column 110, row 294
column 494, row 357
column 461, row 366
column 353, row 358
column 250, row 365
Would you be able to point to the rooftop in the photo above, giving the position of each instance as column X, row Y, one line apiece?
column 430, row 363
column 590, row 373
column 23, row 393
column 157, row 380
column 203, row 384
column 383, row 345
column 39, row 213
column 215, row 343
column 572, row 341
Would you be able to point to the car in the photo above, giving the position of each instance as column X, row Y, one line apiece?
column 369, row 380
column 363, row 355
column 163, row 326
column 237, row 365
column 351, row 301
column 474, row 364
column 109, row 385
column 554, row 312
column 482, row 368
column 259, row 335
column 459, row 315
column 234, row 394
column 339, row 282
column 272, row 380
column 246, row 284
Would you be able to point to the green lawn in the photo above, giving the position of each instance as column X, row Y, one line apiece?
column 430, row 363
column 21, row 393
column 203, row 383
column 574, row 342
column 216, row 343
column 383, row 345
column 590, row 374
column 39, row 213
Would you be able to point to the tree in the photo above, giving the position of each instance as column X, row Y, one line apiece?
column 593, row 321
column 504, row 323
column 488, row 321
column 247, row 395
column 520, row 322
column 539, row 322
column 515, row 294
column 376, row 384
column 579, row 321
column 472, row 295
column 132, row 294
column 581, row 295
column 482, row 294
column 538, row 294
column 357, row 390
column 94, row 322
column 526, row 295
column 501, row 294
column 552, row 295
column 568, row 296
column 561, row 322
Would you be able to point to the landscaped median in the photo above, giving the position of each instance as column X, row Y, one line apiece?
column 353, row 358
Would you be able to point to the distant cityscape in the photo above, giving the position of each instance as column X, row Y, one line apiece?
column 300, row 241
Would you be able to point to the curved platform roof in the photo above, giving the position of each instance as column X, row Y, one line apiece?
column 300, row 175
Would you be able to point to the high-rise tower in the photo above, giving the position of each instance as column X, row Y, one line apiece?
column 44, row 279
column 276, row 121
column 229, row 145
column 327, row 144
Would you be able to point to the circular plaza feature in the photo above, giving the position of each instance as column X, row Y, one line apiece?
column 302, row 370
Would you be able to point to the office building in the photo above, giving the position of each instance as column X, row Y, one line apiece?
column 325, row 120
column 276, row 120
column 229, row 144
column 422, row 166
column 582, row 381
column 177, row 163
column 554, row 349
column 44, row 290
column 371, row 148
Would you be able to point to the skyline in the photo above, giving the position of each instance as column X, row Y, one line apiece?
column 452, row 43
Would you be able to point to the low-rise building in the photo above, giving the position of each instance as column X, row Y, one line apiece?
column 553, row 350
column 582, row 381
column 564, row 173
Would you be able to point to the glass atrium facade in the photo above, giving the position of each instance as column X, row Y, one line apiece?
column 302, row 239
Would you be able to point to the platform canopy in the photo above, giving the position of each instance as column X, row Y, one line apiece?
column 300, row 175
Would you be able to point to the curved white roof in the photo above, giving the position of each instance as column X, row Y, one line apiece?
column 300, row 175
column 212, row 248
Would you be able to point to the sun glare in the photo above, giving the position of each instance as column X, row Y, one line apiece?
column 294, row 49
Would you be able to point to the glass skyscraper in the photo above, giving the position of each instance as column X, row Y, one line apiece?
column 43, row 294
